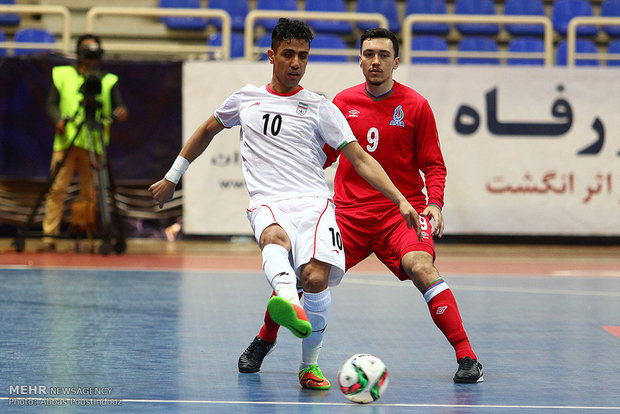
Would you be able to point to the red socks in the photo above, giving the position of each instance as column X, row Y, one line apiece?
column 446, row 316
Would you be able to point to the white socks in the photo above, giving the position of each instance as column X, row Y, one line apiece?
column 317, row 307
column 280, row 273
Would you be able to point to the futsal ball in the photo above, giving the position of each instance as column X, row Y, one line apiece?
column 363, row 378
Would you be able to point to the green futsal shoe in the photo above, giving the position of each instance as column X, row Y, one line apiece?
column 313, row 379
column 290, row 316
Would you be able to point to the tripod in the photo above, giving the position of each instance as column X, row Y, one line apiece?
column 103, row 184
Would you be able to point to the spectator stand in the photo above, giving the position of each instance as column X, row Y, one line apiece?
column 571, row 39
column 63, row 46
column 253, row 52
column 98, row 12
column 407, row 35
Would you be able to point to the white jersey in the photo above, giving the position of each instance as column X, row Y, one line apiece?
column 282, row 139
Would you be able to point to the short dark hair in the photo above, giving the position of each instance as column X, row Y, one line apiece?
column 288, row 29
column 380, row 32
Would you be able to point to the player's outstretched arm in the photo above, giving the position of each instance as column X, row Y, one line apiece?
column 370, row 170
column 163, row 189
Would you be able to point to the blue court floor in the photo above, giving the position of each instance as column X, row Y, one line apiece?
column 168, row 342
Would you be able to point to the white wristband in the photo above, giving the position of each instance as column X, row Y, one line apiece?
column 177, row 170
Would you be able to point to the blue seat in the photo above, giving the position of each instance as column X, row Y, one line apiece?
column 327, row 41
column 9, row 19
column 3, row 51
column 182, row 22
column 427, row 7
column 525, row 8
column 476, row 7
column 324, row 26
column 581, row 46
column 611, row 8
column 429, row 42
column 27, row 35
column 237, row 9
column 523, row 45
column 236, row 43
column 478, row 44
column 614, row 47
column 269, row 24
column 564, row 10
column 265, row 42
column 385, row 7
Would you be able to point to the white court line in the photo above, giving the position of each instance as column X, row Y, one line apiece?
column 347, row 404
column 493, row 288
column 577, row 273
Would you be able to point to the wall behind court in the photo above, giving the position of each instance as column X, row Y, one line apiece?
column 529, row 151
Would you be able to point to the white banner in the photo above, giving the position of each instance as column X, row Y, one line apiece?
column 529, row 151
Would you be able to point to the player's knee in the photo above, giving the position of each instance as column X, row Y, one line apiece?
column 422, row 273
column 315, row 276
column 313, row 282
column 274, row 234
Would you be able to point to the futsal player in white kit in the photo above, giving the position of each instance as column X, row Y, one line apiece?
column 283, row 130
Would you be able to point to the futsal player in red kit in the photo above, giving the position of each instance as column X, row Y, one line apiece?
column 395, row 125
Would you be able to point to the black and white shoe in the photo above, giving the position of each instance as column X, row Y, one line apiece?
column 252, row 358
column 469, row 372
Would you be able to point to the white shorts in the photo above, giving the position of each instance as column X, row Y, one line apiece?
column 310, row 223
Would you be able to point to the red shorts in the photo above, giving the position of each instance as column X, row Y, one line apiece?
column 382, row 231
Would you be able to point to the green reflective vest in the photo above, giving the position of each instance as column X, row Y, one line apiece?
column 68, row 82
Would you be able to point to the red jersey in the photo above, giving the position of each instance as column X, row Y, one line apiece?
column 398, row 129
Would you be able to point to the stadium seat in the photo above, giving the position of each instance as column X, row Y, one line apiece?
column 9, row 19
column 27, row 35
column 325, row 26
column 525, row 8
column 237, row 9
column 236, row 43
column 476, row 7
column 478, row 44
column 427, row 7
column 269, row 24
column 429, row 42
column 611, row 8
column 581, row 46
column 3, row 51
column 182, row 22
column 264, row 42
column 614, row 48
column 526, row 44
column 564, row 10
column 327, row 41
column 385, row 7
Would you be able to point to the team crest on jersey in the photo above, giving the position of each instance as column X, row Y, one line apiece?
column 353, row 113
column 302, row 108
column 397, row 118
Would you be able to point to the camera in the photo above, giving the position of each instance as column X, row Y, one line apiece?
column 92, row 83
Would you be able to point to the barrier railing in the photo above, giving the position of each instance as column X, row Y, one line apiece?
column 571, row 38
column 406, row 32
column 251, row 51
column 64, row 45
column 135, row 47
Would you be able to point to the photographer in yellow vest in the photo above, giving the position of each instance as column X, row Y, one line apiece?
column 82, row 100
